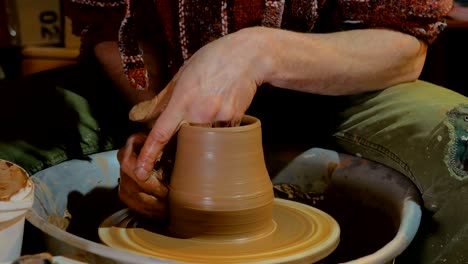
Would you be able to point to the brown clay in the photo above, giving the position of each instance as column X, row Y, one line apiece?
column 300, row 234
column 12, row 180
column 220, row 184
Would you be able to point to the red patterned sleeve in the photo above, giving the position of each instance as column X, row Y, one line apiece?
column 424, row 19
column 100, row 20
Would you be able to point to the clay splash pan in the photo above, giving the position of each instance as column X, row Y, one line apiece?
column 299, row 234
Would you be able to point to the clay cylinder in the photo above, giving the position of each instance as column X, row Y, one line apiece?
column 220, row 186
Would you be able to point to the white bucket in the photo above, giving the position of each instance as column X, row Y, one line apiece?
column 12, row 215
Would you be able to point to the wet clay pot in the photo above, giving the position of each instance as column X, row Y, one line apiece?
column 220, row 187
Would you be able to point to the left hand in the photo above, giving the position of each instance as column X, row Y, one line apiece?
column 145, row 197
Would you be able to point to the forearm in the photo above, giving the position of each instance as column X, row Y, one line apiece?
column 108, row 55
column 340, row 63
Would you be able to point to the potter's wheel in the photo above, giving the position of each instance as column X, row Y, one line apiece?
column 300, row 234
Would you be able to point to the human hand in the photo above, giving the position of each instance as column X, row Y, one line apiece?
column 145, row 197
column 216, row 85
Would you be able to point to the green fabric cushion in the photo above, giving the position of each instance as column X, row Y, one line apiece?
column 43, row 123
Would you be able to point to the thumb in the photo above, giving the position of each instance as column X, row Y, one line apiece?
column 151, row 109
column 165, row 127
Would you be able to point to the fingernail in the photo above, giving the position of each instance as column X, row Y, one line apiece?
column 142, row 174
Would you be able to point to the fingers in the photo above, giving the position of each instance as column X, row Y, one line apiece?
column 228, row 115
column 144, row 203
column 146, row 197
column 165, row 126
column 193, row 96
column 175, row 115
column 231, row 119
column 145, row 110
column 169, row 121
column 154, row 186
column 151, row 109
column 127, row 155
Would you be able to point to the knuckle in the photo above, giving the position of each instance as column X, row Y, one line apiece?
column 156, row 188
column 123, row 196
column 135, row 140
column 125, row 168
column 161, row 136
column 120, row 154
column 131, row 139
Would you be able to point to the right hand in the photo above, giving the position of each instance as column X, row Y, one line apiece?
column 145, row 197
column 216, row 85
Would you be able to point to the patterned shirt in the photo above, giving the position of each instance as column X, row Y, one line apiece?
column 183, row 26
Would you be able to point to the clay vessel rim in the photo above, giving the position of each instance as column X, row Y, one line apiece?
column 253, row 122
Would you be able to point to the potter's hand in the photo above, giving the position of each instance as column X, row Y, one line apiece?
column 146, row 197
column 216, row 85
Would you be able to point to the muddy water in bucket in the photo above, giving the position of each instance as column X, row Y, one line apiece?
column 16, row 198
